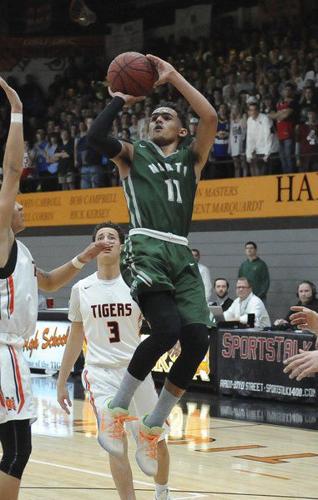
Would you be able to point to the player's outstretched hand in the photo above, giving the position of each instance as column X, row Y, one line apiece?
column 13, row 98
column 91, row 252
column 130, row 100
column 64, row 399
column 165, row 70
column 302, row 365
column 304, row 318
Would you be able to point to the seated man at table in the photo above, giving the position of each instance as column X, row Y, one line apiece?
column 221, row 290
column 247, row 303
column 306, row 293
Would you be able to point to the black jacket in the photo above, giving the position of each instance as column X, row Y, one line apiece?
column 225, row 305
column 313, row 305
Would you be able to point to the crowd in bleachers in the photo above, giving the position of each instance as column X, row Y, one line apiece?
column 264, row 85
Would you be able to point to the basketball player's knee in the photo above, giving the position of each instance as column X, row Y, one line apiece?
column 195, row 339
column 164, row 318
column 16, row 441
column 167, row 331
column 14, row 461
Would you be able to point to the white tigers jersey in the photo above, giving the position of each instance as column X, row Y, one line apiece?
column 18, row 297
column 110, row 317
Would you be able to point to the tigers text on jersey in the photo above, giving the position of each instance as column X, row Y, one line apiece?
column 18, row 299
column 160, row 189
column 110, row 317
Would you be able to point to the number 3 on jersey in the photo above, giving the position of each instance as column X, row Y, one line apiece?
column 113, row 329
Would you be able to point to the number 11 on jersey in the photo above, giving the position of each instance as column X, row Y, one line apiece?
column 172, row 186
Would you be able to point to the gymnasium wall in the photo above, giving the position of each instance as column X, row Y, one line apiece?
column 290, row 252
column 280, row 213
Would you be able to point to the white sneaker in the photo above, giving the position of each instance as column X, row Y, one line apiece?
column 164, row 495
column 111, row 429
column 146, row 454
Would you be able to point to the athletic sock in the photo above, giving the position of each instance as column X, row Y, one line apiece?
column 125, row 392
column 162, row 409
column 160, row 488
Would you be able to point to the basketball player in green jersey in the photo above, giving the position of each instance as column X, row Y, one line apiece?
column 159, row 178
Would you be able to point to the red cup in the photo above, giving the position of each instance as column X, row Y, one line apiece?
column 50, row 302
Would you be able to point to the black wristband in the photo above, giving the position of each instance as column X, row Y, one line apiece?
column 116, row 104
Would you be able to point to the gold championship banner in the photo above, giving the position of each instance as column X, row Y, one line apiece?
column 294, row 195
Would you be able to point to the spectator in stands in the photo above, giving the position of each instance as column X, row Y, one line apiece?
column 193, row 125
column 296, row 74
column 221, row 289
column 41, row 164
column 237, row 141
column 221, row 144
column 260, row 141
column 267, row 105
column 143, row 122
column 230, row 88
column 217, row 97
column 257, row 67
column 90, row 162
column 133, row 128
column 255, row 270
column 28, row 179
column 65, row 157
column 306, row 293
column 307, row 143
column 205, row 274
column 125, row 134
column 245, row 83
column 52, row 160
column 32, row 97
column 80, row 147
column 286, row 116
column 247, row 303
column 308, row 98
column 312, row 74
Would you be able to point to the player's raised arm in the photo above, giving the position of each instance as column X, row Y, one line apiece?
column 12, row 168
column 50, row 281
column 208, row 117
column 99, row 138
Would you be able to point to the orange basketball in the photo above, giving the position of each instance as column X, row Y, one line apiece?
column 131, row 73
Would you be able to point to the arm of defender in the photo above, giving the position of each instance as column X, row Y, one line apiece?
column 302, row 365
column 304, row 318
column 12, row 169
column 72, row 351
column 50, row 281
column 207, row 126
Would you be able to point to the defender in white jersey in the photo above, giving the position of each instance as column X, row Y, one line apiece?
column 103, row 312
column 19, row 281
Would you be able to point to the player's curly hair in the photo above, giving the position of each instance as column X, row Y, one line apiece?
column 110, row 224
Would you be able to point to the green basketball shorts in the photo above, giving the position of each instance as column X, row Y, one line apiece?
column 150, row 265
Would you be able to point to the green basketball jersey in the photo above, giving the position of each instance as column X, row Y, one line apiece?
column 160, row 189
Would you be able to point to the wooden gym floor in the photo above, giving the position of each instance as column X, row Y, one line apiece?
column 221, row 448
